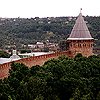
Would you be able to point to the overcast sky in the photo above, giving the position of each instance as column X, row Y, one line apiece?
column 48, row 8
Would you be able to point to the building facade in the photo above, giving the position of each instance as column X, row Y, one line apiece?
column 80, row 39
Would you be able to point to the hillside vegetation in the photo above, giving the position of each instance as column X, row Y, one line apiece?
column 17, row 31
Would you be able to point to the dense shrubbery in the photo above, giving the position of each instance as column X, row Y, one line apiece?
column 58, row 79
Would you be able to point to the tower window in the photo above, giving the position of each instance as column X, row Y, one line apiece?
column 71, row 45
column 79, row 45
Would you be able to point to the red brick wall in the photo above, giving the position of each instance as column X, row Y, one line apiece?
column 36, row 60
column 4, row 70
column 85, row 47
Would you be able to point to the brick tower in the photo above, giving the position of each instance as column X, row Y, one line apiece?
column 80, row 39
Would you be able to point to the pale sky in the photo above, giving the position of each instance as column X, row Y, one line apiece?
column 48, row 8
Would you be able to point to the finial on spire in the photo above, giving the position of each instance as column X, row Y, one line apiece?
column 80, row 10
column 14, row 52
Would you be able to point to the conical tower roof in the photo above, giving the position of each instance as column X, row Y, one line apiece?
column 80, row 30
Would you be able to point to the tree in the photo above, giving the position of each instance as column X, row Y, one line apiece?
column 4, row 54
column 58, row 79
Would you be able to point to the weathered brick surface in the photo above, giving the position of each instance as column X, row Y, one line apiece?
column 85, row 47
column 32, row 61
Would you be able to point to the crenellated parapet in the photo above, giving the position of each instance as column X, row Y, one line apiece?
column 31, row 61
column 4, row 69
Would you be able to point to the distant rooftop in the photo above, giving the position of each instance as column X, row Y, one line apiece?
column 80, row 30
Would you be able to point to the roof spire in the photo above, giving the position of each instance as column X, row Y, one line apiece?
column 80, row 10
column 80, row 30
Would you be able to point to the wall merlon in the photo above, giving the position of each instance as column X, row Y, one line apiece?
column 32, row 61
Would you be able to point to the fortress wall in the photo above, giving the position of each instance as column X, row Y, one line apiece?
column 32, row 61
column 4, row 70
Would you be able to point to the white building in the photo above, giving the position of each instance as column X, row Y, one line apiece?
column 12, row 58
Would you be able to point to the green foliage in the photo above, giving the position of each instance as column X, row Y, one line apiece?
column 63, row 45
column 25, row 31
column 4, row 54
column 25, row 51
column 58, row 79
column 46, row 49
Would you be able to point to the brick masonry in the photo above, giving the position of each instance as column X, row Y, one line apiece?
column 32, row 61
column 85, row 47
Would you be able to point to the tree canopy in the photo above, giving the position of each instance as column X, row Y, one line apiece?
column 17, row 31
column 58, row 79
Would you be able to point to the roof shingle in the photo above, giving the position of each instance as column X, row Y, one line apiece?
column 80, row 30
